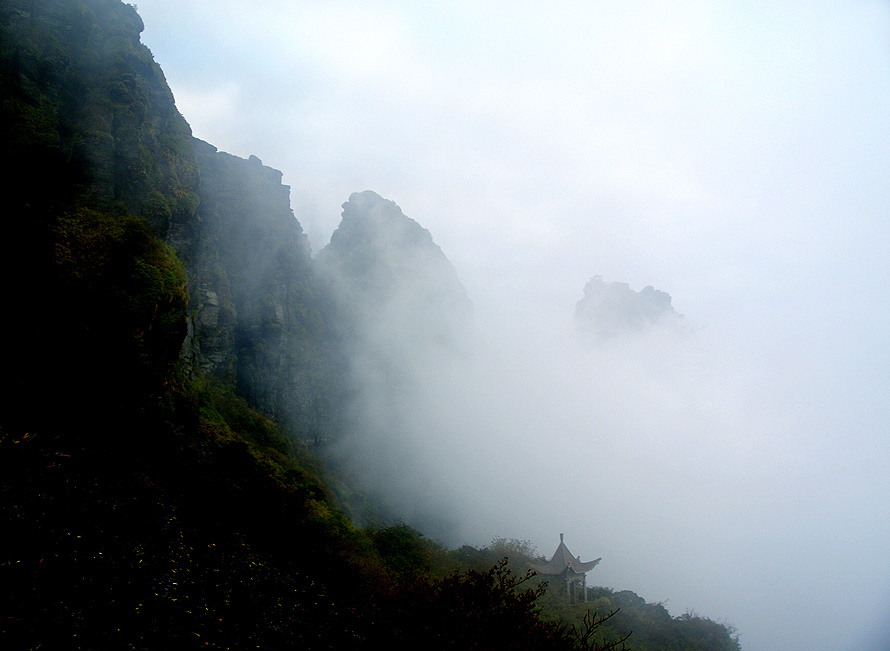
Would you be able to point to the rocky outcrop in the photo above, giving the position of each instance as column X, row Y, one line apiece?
column 99, row 177
column 395, row 286
column 87, row 106
column 257, row 316
column 609, row 309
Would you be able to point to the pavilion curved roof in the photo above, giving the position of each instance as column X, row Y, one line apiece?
column 563, row 560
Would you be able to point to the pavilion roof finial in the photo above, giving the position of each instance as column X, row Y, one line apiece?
column 563, row 561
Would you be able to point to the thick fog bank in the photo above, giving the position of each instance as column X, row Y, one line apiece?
column 707, row 466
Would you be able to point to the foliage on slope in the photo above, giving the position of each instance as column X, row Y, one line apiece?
column 646, row 626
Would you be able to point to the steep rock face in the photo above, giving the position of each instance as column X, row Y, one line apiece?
column 96, row 150
column 102, row 189
column 394, row 282
column 257, row 317
column 98, row 173
column 87, row 106
column 609, row 309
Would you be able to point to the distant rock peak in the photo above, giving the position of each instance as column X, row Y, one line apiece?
column 388, row 270
column 612, row 308
column 368, row 216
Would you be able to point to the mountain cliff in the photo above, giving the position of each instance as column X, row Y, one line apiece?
column 258, row 318
column 100, row 179
column 99, row 157
column 85, row 101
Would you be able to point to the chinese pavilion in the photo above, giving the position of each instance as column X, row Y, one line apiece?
column 566, row 567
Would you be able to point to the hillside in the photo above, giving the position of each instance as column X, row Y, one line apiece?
column 175, row 360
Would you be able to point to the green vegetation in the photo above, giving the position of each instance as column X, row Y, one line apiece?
column 623, row 614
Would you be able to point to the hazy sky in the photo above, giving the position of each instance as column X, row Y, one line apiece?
column 733, row 154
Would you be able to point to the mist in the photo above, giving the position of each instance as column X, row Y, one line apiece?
column 697, row 461
column 732, row 156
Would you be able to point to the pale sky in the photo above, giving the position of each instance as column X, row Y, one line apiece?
column 733, row 154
